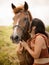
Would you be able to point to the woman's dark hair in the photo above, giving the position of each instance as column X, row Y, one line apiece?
column 40, row 27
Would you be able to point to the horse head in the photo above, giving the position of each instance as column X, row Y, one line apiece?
column 21, row 24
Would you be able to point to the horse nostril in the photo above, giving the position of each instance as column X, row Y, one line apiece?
column 16, row 37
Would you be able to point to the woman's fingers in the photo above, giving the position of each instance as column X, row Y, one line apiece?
column 24, row 44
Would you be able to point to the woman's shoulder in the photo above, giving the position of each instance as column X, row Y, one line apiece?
column 36, row 36
column 40, row 35
column 40, row 38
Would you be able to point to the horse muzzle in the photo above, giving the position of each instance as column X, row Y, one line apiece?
column 15, row 39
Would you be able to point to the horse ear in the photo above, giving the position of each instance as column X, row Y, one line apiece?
column 13, row 6
column 25, row 6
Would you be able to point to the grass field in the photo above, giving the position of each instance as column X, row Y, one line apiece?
column 8, row 55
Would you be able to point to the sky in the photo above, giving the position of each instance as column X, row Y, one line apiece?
column 38, row 8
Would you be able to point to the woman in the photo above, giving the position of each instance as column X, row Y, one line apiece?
column 38, row 44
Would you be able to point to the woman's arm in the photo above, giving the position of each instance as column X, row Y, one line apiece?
column 37, row 48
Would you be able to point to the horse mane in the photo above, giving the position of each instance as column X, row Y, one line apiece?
column 30, row 15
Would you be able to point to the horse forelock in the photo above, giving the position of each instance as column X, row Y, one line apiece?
column 17, row 9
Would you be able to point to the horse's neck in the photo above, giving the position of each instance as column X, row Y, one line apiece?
column 26, row 36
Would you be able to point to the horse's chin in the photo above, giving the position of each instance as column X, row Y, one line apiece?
column 16, row 41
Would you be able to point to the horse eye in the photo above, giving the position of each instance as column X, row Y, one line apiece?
column 25, row 19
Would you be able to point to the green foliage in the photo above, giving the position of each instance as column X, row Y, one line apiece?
column 8, row 55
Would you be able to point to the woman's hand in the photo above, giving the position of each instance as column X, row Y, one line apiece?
column 20, row 48
column 24, row 44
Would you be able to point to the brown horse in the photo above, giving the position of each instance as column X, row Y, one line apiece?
column 21, row 25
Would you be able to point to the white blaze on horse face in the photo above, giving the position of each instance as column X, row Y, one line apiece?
column 15, row 29
column 14, row 32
